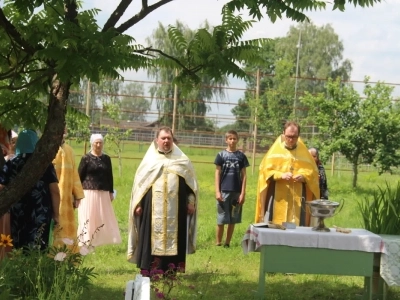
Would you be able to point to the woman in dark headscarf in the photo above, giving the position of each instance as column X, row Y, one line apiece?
column 31, row 215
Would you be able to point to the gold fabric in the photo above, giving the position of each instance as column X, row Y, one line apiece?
column 161, row 171
column 70, row 188
column 287, row 195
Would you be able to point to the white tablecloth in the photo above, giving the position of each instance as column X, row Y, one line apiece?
column 390, row 260
column 357, row 240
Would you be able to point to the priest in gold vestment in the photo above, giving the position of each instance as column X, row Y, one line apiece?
column 162, row 213
column 288, row 177
column 71, row 191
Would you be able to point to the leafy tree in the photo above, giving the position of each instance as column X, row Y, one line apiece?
column 320, row 57
column 364, row 130
column 243, row 113
column 115, row 136
column 191, row 106
column 46, row 46
column 78, row 125
column 316, row 55
column 134, row 105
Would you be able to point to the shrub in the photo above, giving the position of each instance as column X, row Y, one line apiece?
column 55, row 273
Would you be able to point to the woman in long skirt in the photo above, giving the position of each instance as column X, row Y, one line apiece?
column 97, row 222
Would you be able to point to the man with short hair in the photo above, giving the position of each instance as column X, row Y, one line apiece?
column 288, row 177
column 162, row 214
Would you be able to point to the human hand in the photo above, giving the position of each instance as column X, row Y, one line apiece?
column 241, row 199
column 56, row 219
column 299, row 178
column 138, row 211
column 287, row 176
column 77, row 202
column 190, row 209
column 112, row 196
column 218, row 196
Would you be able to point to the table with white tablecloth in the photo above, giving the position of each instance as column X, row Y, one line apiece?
column 303, row 250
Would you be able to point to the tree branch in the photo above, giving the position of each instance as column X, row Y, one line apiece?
column 71, row 11
column 11, row 107
column 139, row 16
column 117, row 14
column 163, row 54
column 14, row 34
column 13, row 88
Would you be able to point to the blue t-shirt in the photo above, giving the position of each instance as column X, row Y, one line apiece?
column 231, row 164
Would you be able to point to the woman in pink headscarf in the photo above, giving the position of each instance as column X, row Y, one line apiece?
column 97, row 222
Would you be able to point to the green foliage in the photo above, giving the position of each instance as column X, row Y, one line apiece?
column 115, row 136
column 191, row 105
column 380, row 213
column 214, row 54
column 56, row 273
column 48, row 45
column 78, row 125
column 134, row 105
column 320, row 56
column 293, row 9
column 363, row 130
column 22, row 109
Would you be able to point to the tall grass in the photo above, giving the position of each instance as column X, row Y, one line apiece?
column 381, row 213
column 220, row 273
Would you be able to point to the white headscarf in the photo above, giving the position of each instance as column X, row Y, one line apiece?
column 94, row 137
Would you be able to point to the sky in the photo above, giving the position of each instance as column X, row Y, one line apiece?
column 370, row 35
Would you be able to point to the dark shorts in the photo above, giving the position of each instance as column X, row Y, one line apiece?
column 229, row 211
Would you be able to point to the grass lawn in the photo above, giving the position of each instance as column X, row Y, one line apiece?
column 216, row 272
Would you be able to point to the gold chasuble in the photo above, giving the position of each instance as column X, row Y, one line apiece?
column 287, row 196
column 161, row 172
column 71, row 189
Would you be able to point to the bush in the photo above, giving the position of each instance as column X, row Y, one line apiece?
column 54, row 273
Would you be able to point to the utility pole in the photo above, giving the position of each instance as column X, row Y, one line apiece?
column 88, row 97
column 298, row 46
column 255, row 122
column 175, row 103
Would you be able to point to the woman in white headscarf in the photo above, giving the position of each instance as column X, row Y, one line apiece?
column 97, row 222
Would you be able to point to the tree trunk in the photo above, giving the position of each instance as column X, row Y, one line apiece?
column 355, row 173
column 45, row 151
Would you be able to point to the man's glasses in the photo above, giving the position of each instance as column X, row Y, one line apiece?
column 292, row 137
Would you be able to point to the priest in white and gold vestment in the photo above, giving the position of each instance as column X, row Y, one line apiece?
column 162, row 213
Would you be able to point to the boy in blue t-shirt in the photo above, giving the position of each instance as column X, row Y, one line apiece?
column 230, row 187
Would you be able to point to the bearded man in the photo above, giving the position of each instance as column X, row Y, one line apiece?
column 288, row 177
column 162, row 214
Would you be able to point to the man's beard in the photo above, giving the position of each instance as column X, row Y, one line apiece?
column 291, row 148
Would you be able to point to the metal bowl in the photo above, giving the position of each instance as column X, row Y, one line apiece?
column 323, row 208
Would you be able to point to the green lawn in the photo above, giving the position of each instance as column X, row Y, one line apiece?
column 219, row 273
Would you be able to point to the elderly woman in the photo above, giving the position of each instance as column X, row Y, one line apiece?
column 97, row 222
column 31, row 216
